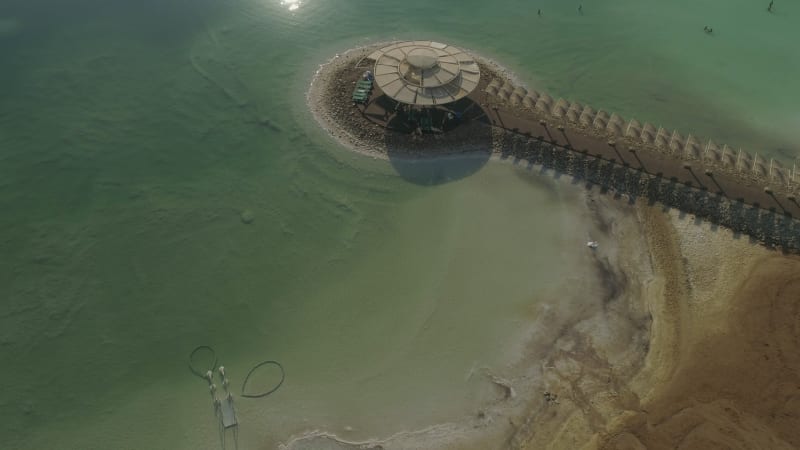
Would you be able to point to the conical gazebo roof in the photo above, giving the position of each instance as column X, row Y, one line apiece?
column 425, row 72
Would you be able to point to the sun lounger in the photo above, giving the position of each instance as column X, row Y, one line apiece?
column 360, row 96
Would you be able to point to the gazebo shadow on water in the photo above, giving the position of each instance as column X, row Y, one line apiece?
column 458, row 145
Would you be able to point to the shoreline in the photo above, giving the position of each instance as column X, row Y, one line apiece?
column 620, row 371
column 736, row 202
column 609, row 281
column 722, row 309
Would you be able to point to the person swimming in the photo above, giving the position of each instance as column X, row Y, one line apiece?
column 580, row 9
column 708, row 29
column 771, row 3
column 539, row 13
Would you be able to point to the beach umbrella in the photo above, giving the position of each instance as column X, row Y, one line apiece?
column 778, row 172
column 745, row 160
column 573, row 115
column 544, row 104
column 587, row 116
column 712, row 152
column 616, row 119
column 574, row 111
column 492, row 90
column 634, row 129
column 692, row 148
column 425, row 72
column 559, row 109
column 504, row 95
column 760, row 166
column 676, row 142
column 662, row 138
column 614, row 128
column 728, row 157
column 649, row 133
column 600, row 120
column 529, row 102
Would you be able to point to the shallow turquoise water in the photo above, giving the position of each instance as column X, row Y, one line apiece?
column 133, row 134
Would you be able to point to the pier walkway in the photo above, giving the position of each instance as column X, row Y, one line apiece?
column 690, row 173
column 746, row 193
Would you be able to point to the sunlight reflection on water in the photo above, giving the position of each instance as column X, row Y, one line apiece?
column 291, row 5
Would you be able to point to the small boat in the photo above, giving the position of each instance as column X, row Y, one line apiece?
column 592, row 244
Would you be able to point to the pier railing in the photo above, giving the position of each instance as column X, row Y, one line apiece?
column 770, row 173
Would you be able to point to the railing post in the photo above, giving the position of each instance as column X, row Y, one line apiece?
column 725, row 151
column 686, row 145
column 771, row 160
column 671, row 138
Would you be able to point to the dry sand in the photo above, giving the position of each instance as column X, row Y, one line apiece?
column 693, row 344
column 723, row 368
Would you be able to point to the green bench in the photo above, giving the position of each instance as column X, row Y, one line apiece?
column 362, row 91
column 360, row 96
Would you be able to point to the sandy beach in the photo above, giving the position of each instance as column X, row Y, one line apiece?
column 720, row 367
column 690, row 344
column 570, row 333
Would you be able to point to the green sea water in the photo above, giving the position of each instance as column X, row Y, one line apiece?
column 133, row 135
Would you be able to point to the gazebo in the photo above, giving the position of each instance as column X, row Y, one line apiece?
column 419, row 77
column 425, row 73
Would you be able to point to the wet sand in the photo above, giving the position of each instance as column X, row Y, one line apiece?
column 597, row 317
column 721, row 368
column 692, row 346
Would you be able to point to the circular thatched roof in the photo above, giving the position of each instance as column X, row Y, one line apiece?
column 425, row 72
